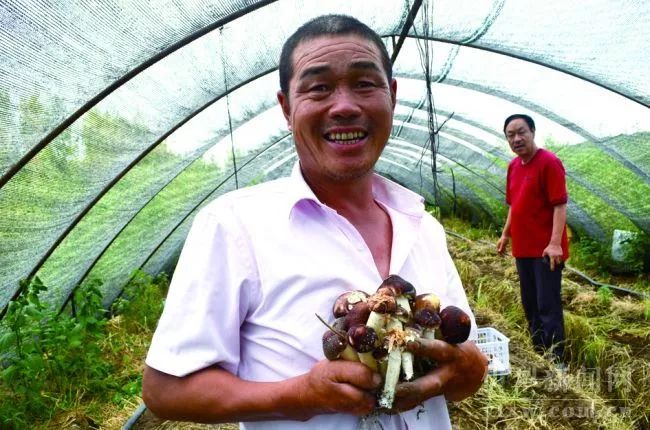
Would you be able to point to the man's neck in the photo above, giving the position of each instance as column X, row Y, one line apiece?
column 527, row 159
column 346, row 197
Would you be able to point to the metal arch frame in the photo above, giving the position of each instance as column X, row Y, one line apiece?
column 121, row 174
column 54, row 133
column 580, row 218
column 533, row 61
column 136, row 213
column 421, row 158
column 471, row 197
column 116, row 84
column 244, row 11
column 10, row 173
column 203, row 200
column 564, row 122
column 614, row 204
column 465, row 137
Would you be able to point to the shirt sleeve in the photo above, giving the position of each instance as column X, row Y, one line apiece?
column 211, row 292
column 555, row 179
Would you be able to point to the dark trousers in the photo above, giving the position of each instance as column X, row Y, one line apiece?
column 540, row 296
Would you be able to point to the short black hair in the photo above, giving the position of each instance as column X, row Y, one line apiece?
column 528, row 119
column 328, row 25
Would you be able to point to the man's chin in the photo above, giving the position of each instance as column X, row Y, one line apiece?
column 350, row 174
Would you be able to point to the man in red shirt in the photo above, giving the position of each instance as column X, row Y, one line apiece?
column 537, row 196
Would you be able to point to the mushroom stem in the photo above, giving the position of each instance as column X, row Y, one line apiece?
column 395, row 348
column 367, row 359
column 412, row 333
column 392, row 376
column 377, row 322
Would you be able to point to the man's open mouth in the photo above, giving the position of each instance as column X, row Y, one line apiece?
column 346, row 138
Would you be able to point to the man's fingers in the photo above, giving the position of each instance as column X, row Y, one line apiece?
column 357, row 374
column 437, row 350
column 410, row 394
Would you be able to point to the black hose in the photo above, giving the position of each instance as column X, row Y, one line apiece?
column 135, row 417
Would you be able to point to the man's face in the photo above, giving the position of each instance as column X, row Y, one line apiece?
column 521, row 138
column 339, row 107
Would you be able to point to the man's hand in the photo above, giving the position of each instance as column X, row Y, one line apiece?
column 554, row 254
column 460, row 373
column 338, row 387
column 213, row 395
column 502, row 244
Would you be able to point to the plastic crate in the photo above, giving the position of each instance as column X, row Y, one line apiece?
column 495, row 345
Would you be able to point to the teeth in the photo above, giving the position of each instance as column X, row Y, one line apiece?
column 341, row 137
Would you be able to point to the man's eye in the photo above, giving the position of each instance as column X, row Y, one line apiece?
column 365, row 84
column 318, row 88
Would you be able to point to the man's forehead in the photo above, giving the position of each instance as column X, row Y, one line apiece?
column 311, row 48
column 517, row 124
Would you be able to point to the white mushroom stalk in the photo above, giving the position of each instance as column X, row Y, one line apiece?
column 411, row 333
column 395, row 338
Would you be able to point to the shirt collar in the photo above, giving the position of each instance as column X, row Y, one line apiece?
column 385, row 191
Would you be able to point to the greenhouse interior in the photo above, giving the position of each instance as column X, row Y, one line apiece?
column 121, row 120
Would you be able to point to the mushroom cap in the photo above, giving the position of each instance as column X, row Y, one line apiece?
column 427, row 318
column 400, row 286
column 455, row 324
column 380, row 352
column 346, row 301
column 427, row 300
column 357, row 315
column 333, row 345
column 362, row 338
column 340, row 325
column 383, row 302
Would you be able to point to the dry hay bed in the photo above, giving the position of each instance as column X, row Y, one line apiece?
column 607, row 383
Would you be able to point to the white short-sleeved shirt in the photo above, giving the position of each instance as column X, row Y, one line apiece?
column 260, row 262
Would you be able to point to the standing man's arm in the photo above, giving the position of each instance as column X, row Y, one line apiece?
column 502, row 244
column 554, row 247
column 214, row 395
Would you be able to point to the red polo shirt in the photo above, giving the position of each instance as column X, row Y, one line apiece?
column 532, row 191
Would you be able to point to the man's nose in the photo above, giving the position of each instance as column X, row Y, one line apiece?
column 345, row 103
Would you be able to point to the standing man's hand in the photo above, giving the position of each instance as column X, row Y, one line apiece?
column 554, row 254
column 502, row 244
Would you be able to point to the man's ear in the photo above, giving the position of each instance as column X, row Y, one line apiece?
column 283, row 99
column 393, row 92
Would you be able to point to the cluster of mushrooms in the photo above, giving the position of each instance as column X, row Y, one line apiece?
column 374, row 329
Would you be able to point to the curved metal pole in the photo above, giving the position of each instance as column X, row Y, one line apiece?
column 191, row 211
column 11, row 172
column 116, row 179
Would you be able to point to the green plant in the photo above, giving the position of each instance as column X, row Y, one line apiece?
column 588, row 254
column 142, row 300
column 604, row 297
column 47, row 356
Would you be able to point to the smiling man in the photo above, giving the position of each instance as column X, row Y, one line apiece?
column 238, row 339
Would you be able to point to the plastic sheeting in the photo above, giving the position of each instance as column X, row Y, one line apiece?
column 118, row 120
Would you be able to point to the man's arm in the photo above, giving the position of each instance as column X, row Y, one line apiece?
column 554, row 247
column 502, row 244
column 213, row 395
column 460, row 373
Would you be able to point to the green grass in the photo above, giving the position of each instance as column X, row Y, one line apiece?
column 607, row 350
